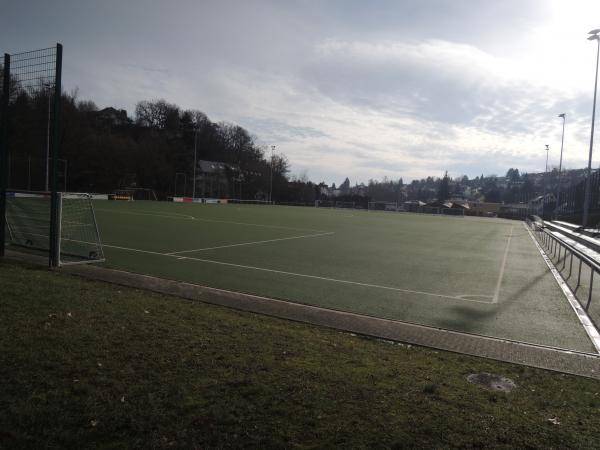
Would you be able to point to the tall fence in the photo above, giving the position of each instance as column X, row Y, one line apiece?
column 570, row 203
column 30, row 130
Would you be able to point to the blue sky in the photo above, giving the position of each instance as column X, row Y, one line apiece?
column 342, row 88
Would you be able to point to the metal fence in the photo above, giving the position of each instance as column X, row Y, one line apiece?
column 578, row 269
column 30, row 125
column 570, row 203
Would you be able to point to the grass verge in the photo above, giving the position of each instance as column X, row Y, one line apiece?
column 87, row 365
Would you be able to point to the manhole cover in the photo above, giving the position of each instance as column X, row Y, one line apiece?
column 492, row 382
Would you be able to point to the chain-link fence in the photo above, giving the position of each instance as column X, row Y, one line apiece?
column 29, row 121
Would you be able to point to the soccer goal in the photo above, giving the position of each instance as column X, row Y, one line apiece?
column 28, row 225
column 324, row 204
column 383, row 206
column 459, row 212
column 429, row 210
column 348, row 205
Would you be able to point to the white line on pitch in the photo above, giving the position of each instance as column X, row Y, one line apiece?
column 501, row 275
column 189, row 217
column 250, row 243
column 581, row 313
column 168, row 216
column 293, row 274
column 258, row 225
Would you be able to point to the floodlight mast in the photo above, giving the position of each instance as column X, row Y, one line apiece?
column 545, row 192
column 586, row 204
column 562, row 141
column 195, row 156
column 271, row 176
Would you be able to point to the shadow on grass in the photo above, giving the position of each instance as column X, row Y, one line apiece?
column 469, row 320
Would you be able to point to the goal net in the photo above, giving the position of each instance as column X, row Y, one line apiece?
column 383, row 206
column 453, row 212
column 28, row 225
column 324, row 204
column 340, row 204
column 429, row 210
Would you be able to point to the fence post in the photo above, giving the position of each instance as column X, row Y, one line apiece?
column 4, row 148
column 591, row 287
column 54, row 257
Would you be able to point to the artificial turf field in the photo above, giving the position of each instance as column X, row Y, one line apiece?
column 475, row 275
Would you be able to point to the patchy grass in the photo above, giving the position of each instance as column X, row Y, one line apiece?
column 86, row 365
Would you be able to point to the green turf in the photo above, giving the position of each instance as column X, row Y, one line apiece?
column 438, row 271
column 92, row 365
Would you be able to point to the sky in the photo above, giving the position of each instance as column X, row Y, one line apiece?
column 354, row 88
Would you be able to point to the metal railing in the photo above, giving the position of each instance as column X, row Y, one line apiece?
column 557, row 248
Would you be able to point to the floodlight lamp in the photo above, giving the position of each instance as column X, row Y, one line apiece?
column 547, row 146
column 594, row 37
column 596, row 31
column 563, row 115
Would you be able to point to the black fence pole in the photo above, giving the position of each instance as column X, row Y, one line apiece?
column 54, row 258
column 4, row 149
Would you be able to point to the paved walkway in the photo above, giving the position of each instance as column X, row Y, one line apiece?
column 576, row 363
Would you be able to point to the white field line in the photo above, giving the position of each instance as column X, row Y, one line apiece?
column 501, row 275
column 280, row 227
column 581, row 314
column 168, row 216
column 188, row 217
column 249, row 243
column 301, row 275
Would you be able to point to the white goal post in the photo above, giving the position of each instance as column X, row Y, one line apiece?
column 383, row 206
column 28, row 224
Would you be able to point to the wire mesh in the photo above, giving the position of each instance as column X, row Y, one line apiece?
column 29, row 121
column 32, row 87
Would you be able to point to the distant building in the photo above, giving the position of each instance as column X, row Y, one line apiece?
column 217, row 179
column 111, row 117
column 513, row 211
column 487, row 209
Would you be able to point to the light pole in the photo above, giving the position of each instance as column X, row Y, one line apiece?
column 195, row 153
column 271, row 177
column 586, row 203
column 562, row 141
column 545, row 191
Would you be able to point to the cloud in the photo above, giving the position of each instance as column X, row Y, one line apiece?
column 411, row 109
column 346, row 88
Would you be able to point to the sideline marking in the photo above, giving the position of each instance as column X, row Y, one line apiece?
column 581, row 314
column 250, row 243
column 315, row 277
column 501, row 275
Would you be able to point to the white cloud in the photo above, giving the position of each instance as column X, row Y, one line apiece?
column 346, row 88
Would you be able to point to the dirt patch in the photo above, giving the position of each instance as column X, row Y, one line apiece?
column 492, row 382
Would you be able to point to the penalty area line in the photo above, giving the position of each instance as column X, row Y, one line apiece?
column 462, row 298
column 251, row 243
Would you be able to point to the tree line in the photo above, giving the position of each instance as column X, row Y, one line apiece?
column 105, row 150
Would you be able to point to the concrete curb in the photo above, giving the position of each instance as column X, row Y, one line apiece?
column 576, row 363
